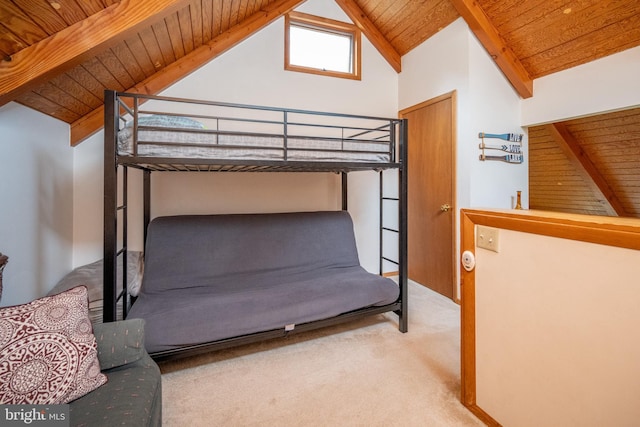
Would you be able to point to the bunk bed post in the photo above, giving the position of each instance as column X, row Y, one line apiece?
column 344, row 191
column 146, row 197
column 403, row 223
column 381, row 222
column 125, row 243
column 111, row 113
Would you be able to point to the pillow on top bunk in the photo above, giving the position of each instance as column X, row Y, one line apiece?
column 125, row 135
column 168, row 122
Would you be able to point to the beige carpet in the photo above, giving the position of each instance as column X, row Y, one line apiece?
column 365, row 373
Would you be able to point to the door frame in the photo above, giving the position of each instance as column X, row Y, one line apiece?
column 454, row 143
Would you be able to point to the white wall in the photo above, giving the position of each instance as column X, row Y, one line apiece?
column 556, row 346
column 437, row 66
column 36, row 202
column 253, row 73
column 608, row 84
column 494, row 108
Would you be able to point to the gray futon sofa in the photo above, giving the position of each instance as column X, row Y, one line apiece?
column 214, row 277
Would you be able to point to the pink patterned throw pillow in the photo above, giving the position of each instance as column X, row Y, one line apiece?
column 48, row 354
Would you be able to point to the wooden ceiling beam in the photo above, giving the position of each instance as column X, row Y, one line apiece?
column 374, row 35
column 92, row 122
column 495, row 45
column 570, row 146
column 63, row 50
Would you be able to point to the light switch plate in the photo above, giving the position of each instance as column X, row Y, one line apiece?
column 488, row 238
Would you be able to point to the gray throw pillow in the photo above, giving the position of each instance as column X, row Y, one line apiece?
column 119, row 342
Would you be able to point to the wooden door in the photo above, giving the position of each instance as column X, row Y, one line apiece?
column 431, row 184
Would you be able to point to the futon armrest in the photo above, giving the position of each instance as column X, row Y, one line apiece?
column 119, row 343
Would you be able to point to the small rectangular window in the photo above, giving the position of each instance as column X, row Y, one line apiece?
column 321, row 46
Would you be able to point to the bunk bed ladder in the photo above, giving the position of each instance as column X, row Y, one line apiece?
column 383, row 258
column 401, row 230
column 383, row 228
column 122, row 252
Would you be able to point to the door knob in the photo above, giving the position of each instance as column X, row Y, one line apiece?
column 445, row 207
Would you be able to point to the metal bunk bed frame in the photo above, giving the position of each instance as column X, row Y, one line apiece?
column 115, row 247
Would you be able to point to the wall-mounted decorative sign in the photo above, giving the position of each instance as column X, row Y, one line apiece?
column 515, row 150
column 509, row 158
column 513, row 137
column 507, row 148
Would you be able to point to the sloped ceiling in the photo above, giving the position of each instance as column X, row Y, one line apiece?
column 59, row 55
column 588, row 165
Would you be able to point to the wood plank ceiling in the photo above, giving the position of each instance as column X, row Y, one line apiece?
column 544, row 36
column 589, row 165
column 58, row 56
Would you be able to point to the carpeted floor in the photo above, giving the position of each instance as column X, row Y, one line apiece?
column 365, row 373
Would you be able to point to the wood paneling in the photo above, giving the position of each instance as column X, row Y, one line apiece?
column 583, row 164
column 549, row 36
column 406, row 24
column 42, row 14
column 56, row 54
column 611, row 142
column 554, row 182
column 17, row 31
